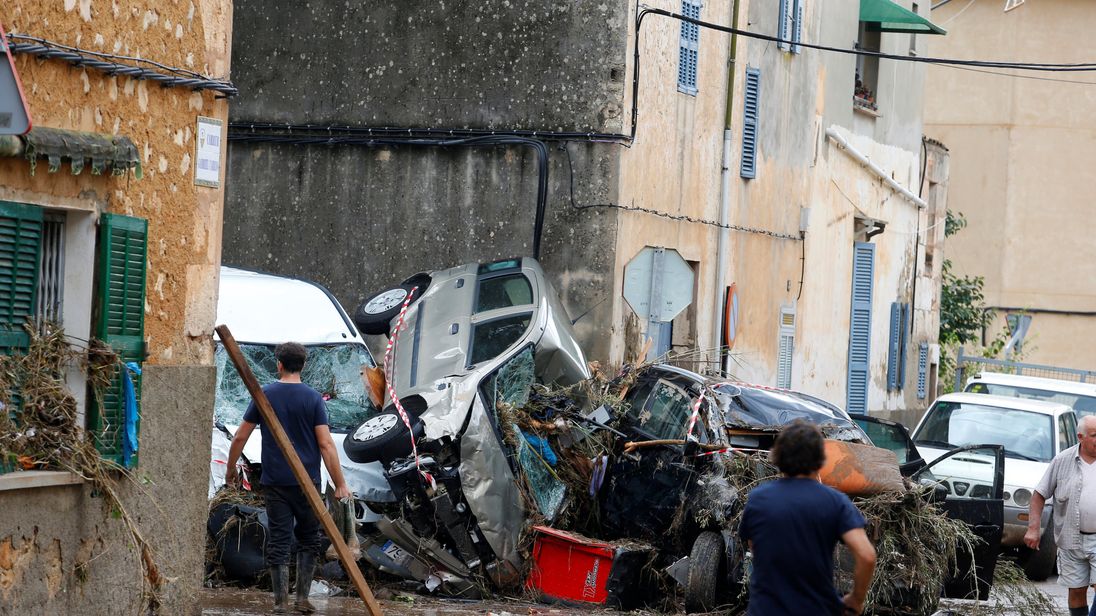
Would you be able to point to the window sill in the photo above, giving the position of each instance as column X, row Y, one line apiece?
column 22, row 480
column 868, row 111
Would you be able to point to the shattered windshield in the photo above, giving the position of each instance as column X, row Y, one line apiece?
column 491, row 338
column 765, row 408
column 333, row 370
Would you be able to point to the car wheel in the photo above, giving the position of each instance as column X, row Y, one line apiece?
column 707, row 564
column 381, row 438
column 1040, row 564
column 375, row 314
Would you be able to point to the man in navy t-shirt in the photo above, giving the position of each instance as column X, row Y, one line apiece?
column 303, row 416
column 792, row 526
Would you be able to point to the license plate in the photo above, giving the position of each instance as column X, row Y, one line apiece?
column 395, row 552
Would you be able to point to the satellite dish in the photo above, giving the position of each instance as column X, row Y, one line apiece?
column 14, row 113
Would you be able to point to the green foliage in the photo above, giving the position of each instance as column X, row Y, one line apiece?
column 963, row 312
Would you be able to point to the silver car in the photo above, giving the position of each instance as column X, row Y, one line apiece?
column 474, row 340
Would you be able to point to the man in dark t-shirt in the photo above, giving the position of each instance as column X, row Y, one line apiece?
column 792, row 526
column 303, row 416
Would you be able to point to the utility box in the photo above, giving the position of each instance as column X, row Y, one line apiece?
column 570, row 568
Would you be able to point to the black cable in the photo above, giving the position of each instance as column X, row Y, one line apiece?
column 483, row 141
column 166, row 76
column 677, row 217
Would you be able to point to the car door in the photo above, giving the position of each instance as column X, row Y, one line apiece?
column 895, row 437
column 976, row 498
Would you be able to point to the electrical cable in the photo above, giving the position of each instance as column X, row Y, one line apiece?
column 166, row 76
column 677, row 217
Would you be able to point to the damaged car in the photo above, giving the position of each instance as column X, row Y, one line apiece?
column 472, row 342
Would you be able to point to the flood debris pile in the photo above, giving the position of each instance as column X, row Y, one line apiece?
column 40, row 427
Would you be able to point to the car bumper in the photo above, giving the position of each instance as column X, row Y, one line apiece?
column 1012, row 534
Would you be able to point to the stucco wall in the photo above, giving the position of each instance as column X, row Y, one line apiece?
column 60, row 550
column 1021, row 161
column 358, row 219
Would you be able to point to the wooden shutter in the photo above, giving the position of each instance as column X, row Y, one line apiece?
column 119, row 321
column 750, row 110
column 786, row 348
column 922, row 370
column 689, row 48
column 798, row 30
column 863, row 269
column 894, row 351
column 20, row 252
column 783, row 33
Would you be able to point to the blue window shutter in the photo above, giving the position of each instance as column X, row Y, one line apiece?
column 782, row 31
column 900, row 382
column 750, row 110
column 798, row 30
column 922, row 370
column 863, row 269
column 894, row 350
column 689, row 48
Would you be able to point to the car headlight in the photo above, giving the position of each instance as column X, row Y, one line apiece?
column 1022, row 497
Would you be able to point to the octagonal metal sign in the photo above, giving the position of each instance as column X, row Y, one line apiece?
column 14, row 114
column 658, row 284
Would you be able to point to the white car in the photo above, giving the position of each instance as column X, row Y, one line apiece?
column 1080, row 396
column 1032, row 433
column 263, row 310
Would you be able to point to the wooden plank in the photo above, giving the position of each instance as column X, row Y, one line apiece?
column 299, row 472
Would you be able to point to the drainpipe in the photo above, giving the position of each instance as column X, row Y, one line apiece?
column 723, row 245
column 11, row 146
column 859, row 157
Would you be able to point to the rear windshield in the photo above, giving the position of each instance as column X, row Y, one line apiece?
column 1023, row 434
column 333, row 370
column 1083, row 405
column 503, row 292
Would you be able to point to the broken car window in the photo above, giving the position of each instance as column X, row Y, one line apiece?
column 669, row 411
column 503, row 292
column 333, row 370
column 511, row 383
column 491, row 338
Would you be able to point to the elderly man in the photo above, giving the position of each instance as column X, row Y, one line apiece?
column 1071, row 481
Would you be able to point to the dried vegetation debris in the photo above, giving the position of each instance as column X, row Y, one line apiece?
column 40, row 427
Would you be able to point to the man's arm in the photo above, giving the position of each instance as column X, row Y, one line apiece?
column 1035, row 519
column 864, row 554
column 238, row 441
column 330, row 457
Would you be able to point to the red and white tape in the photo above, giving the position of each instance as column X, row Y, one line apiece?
column 389, row 351
column 693, row 417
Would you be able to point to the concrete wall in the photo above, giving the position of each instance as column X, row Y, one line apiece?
column 60, row 550
column 358, row 219
column 1022, row 153
column 802, row 96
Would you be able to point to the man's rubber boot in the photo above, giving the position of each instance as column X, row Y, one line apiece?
column 279, row 577
column 306, row 569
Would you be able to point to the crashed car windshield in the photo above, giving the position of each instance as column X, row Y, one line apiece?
column 334, row 370
column 763, row 407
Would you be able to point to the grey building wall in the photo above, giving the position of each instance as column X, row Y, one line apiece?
column 79, row 559
column 357, row 219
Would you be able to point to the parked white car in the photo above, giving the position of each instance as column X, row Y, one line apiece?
column 1032, row 433
column 1080, row 396
column 263, row 310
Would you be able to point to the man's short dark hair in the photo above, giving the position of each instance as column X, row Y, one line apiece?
column 292, row 356
column 799, row 449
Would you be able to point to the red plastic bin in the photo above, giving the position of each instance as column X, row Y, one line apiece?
column 570, row 567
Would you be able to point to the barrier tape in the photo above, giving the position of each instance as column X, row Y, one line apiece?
column 693, row 417
column 242, row 470
column 389, row 350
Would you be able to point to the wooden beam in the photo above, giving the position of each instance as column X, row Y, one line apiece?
column 280, row 437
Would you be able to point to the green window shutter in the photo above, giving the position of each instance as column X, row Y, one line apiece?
column 119, row 321
column 20, row 251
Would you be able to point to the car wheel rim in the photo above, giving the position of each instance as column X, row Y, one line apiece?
column 375, row 427
column 385, row 301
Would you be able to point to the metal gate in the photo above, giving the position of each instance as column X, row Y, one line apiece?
column 966, row 365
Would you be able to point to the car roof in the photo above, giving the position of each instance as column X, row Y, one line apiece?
column 269, row 309
column 1034, row 382
column 1008, row 402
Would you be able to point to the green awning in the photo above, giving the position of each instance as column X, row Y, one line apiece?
column 886, row 16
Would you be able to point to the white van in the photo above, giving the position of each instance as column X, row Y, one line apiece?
column 262, row 311
column 1080, row 396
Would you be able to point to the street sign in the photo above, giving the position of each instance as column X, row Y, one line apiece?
column 658, row 284
column 14, row 113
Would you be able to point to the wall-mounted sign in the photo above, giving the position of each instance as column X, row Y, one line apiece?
column 14, row 113
column 207, row 154
column 730, row 316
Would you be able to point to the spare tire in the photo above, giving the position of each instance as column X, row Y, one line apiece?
column 374, row 315
column 382, row 438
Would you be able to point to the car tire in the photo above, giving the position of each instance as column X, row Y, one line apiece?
column 381, row 438
column 1039, row 564
column 374, row 315
column 707, row 564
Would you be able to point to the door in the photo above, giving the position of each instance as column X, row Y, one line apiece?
column 895, row 437
column 973, row 477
